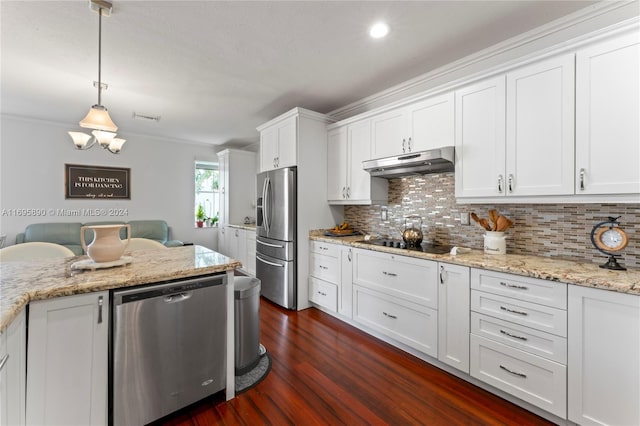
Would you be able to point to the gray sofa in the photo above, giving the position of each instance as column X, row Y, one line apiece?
column 68, row 234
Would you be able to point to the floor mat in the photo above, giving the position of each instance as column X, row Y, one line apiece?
column 256, row 375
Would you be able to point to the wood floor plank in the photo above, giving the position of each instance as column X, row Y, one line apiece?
column 325, row 372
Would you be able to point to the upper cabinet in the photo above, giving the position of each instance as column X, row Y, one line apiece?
column 514, row 132
column 278, row 144
column 347, row 182
column 423, row 125
column 237, row 185
column 607, row 117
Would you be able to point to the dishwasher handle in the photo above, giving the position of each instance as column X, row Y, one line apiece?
column 179, row 297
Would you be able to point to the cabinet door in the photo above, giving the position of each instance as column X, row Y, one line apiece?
column 67, row 360
column 337, row 165
column 389, row 132
column 540, row 121
column 13, row 372
column 431, row 123
column 287, row 143
column 223, row 242
column 251, row 252
column 223, row 182
column 345, row 293
column 359, row 150
column 453, row 316
column 604, row 354
column 241, row 246
column 268, row 148
column 480, row 139
column 607, row 117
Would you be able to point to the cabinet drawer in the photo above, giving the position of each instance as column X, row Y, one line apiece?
column 524, row 338
column 323, row 293
column 539, row 317
column 324, row 267
column 326, row 249
column 406, row 322
column 536, row 380
column 544, row 292
column 399, row 276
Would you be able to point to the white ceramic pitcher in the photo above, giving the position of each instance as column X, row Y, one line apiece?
column 106, row 245
column 495, row 242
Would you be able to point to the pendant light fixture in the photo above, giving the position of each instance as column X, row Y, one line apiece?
column 98, row 117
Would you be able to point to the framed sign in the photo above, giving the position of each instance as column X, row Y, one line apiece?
column 97, row 182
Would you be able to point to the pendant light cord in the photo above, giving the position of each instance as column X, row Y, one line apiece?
column 99, row 55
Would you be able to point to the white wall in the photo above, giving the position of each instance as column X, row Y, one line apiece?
column 32, row 159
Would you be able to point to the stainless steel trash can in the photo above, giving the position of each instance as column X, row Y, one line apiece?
column 247, row 323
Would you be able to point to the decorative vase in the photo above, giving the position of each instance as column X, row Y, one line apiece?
column 106, row 245
column 495, row 242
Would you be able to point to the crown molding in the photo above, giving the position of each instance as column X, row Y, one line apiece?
column 546, row 30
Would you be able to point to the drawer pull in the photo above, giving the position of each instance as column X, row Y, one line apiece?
column 321, row 293
column 441, row 272
column 513, row 311
column 322, row 267
column 391, row 274
column 515, row 373
column 389, row 315
column 513, row 335
column 4, row 360
column 323, row 248
column 519, row 287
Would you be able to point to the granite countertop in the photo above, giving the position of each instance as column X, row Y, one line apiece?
column 24, row 281
column 583, row 274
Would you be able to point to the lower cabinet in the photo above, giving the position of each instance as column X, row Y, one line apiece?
column 453, row 315
column 67, row 362
column 330, row 277
column 13, row 355
column 604, row 357
column 250, row 264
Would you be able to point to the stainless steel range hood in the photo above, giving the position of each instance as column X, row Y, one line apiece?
column 416, row 163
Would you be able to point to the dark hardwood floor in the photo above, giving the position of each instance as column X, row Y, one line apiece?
column 325, row 372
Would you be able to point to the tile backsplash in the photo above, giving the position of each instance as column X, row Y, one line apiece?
column 549, row 230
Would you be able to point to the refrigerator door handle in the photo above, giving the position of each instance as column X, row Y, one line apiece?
column 269, row 263
column 265, row 213
column 269, row 245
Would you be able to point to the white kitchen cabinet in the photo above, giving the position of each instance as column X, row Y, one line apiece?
column 330, row 284
column 537, row 111
column 518, row 337
column 608, row 117
column 480, row 139
column 453, row 315
column 389, row 133
column 426, row 124
column 278, row 145
column 223, row 240
column 345, row 299
column 347, row 182
column 237, row 185
column 67, row 365
column 13, row 369
column 431, row 123
column 604, row 357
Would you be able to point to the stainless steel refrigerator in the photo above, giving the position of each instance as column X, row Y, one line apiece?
column 276, row 212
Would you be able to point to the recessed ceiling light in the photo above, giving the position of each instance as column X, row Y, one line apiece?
column 379, row 30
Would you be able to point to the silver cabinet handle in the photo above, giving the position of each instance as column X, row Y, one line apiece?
column 391, row 274
column 582, row 172
column 519, row 287
column 322, row 267
column 441, row 272
column 323, row 248
column 4, row 360
column 515, row 373
column 409, row 144
column 348, row 192
column 500, row 184
column 321, row 293
column 510, row 183
column 513, row 311
column 237, row 233
column 100, row 303
column 506, row 333
column 403, row 146
column 344, row 192
column 349, row 255
column 389, row 315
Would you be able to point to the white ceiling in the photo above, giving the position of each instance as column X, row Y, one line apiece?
column 214, row 70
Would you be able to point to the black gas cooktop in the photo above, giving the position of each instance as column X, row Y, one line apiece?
column 425, row 247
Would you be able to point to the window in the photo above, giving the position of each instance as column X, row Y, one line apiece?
column 206, row 179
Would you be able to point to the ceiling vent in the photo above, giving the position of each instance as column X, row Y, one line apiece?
column 147, row 117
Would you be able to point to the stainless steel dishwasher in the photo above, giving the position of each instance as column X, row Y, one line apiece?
column 168, row 347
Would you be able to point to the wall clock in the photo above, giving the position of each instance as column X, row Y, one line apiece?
column 609, row 238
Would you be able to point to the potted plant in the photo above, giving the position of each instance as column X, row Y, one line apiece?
column 200, row 216
column 212, row 220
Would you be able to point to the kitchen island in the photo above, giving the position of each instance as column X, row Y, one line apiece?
column 68, row 321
